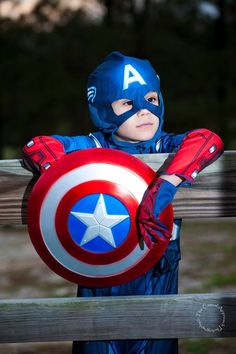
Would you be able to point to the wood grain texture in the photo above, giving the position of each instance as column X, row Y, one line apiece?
column 213, row 194
column 131, row 317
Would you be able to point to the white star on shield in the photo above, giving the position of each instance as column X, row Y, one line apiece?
column 99, row 223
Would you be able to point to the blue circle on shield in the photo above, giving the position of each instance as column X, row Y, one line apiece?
column 99, row 223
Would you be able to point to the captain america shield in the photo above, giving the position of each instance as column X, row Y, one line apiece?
column 81, row 217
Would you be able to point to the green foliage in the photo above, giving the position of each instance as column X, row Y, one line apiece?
column 44, row 67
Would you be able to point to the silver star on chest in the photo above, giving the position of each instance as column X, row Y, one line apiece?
column 99, row 223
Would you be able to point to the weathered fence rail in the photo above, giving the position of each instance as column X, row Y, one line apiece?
column 131, row 317
column 212, row 195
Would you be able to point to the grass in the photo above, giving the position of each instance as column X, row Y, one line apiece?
column 208, row 346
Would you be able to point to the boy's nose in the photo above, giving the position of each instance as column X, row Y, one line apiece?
column 143, row 111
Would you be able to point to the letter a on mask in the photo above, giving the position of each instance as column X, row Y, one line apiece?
column 131, row 75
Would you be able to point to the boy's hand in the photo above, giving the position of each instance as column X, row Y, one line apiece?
column 41, row 153
column 157, row 197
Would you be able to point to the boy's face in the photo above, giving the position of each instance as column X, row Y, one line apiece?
column 141, row 126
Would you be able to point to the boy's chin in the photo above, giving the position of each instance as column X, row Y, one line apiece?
column 146, row 136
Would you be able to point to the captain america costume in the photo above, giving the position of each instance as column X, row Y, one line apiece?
column 137, row 77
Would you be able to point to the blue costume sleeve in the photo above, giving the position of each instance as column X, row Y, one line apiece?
column 74, row 143
column 80, row 142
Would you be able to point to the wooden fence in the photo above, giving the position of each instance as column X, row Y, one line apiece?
column 212, row 195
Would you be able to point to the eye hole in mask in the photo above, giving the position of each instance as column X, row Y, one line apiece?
column 124, row 105
column 153, row 98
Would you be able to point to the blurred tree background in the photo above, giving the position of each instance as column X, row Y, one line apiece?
column 48, row 53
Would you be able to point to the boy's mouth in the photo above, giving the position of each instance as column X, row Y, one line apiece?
column 144, row 125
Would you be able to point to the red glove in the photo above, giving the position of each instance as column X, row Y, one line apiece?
column 199, row 149
column 42, row 152
column 156, row 198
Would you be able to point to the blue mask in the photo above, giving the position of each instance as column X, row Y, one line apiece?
column 122, row 77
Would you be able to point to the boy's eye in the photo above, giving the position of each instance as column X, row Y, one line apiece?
column 128, row 103
column 152, row 99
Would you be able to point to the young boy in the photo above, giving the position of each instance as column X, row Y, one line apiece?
column 126, row 105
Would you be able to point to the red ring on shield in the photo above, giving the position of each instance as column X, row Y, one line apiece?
column 81, row 191
column 58, row 220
